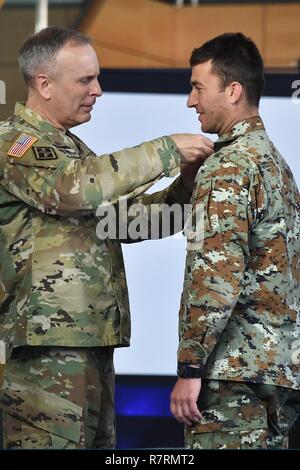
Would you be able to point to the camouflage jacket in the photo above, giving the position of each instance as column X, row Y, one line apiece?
column 59, row 284
column 240, row 309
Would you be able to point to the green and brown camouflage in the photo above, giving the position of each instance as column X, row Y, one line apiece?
column 59, row 398
column 238, row 415
column 78, row 181
column 240, row 309
column 60, row 285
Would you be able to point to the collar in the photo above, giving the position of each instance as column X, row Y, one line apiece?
column 239, row 129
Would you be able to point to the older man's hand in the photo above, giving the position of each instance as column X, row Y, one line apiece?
column 193, row 147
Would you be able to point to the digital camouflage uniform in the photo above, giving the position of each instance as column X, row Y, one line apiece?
column 60, row 285
column 60, row 398
column 240, row 309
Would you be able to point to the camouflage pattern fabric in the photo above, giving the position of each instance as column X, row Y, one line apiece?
column 239, row 415
column 240, row 310
column 59, row 398
column 60, row 285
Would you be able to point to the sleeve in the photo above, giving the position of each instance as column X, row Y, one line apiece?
column 224, row 208
column 156, row 215
column 66, row 186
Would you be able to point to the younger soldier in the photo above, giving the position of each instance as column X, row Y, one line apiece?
column 239, row 350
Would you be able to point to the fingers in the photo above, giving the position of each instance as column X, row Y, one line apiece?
column 200, row 141
column 184, row 398
column 195, row 413
column 181, row 414
column 208, row 150
column 200, row 148
column 206, row 141
column 206, row 146
column 185, row 412
column 193, row 146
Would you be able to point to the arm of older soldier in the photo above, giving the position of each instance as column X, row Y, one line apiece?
column 212, row 284
column 72, row 185
column 160, row 214
column 165, row 212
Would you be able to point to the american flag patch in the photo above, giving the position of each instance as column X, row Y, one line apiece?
column 21, row 145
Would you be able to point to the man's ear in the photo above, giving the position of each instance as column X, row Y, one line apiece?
column 234, row 91
column 43, row 85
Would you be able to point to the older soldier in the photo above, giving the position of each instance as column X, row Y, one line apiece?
column 239, row 350
column 63, row 295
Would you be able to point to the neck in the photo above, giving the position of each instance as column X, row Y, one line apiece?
column 36, row 105
column 238, row 116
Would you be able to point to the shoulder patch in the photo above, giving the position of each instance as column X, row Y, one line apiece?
column 21, row 145
column 44, row 153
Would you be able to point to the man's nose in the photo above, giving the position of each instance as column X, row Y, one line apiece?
column 191, row 100
column 96, row 90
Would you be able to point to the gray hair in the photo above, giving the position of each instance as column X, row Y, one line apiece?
column 40, row 50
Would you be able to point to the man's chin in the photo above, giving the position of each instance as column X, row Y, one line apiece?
column 202, row 126
column 84, row 117
column 207, row 129
column 81, row 120
column 87, row 117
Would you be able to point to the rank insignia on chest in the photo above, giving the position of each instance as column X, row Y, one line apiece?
column 21, row 145
column 44, row 153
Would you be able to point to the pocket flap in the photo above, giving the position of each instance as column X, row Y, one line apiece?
column 42, row 409
column 219, row 419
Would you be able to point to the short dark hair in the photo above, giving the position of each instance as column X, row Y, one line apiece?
column 40, row 49
column 234, row 57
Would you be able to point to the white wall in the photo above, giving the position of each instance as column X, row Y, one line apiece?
column 155, row 268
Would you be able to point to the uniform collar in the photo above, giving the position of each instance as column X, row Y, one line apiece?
column 239, row 129
column 37, row 121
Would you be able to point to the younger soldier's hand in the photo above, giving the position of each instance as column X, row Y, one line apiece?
column 184, row 398
column 193, row 147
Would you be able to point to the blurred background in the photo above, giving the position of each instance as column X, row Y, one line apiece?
column 152, row 33
column 143, row 48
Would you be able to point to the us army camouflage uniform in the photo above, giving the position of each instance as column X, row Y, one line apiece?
column 60, row 398
column 240, row 309
column 60, row 286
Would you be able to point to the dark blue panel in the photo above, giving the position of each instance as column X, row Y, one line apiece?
column 143, row 395
column 142, row 401
column 177, row 81
column 143, row 414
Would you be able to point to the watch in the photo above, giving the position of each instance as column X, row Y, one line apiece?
column 187, row 371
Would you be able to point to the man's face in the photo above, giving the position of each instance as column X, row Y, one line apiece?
column 209, row 102
column 73, row 86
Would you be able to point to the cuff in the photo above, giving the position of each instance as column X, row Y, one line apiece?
column 190, row 371
column 169, row 155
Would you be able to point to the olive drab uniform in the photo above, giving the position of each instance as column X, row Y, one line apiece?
column 60, row 285
column 240, row 309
